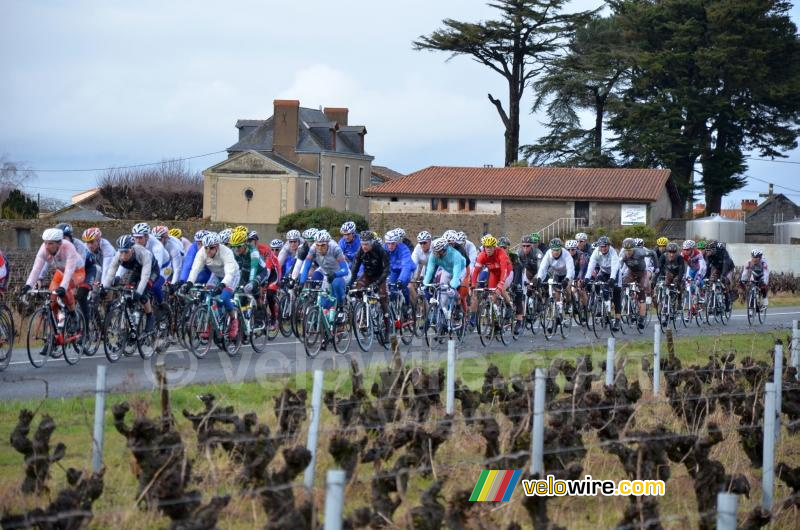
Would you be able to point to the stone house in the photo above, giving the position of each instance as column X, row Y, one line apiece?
column 514, row 201
column 297, row 158
column 760, row 227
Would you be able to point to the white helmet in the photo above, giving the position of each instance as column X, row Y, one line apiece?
column 140, row 229
column 225, row 236
column 159, row 231
column 570, row 244
column 400, row 232
column 450, row 236
column 348, row 228
column 424, row 236
column 276, row 244
column 322, row 236
column 439, row 245
column 757, row 252
column 52, row 234
column 293, row 235
column 211, row 239
column 689, row 244
column 310, row 233
column 200, row 234
column 392, row 236
column 581, row 236
column 461, row 237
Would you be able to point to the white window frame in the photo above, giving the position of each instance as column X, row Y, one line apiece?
column 333, row 180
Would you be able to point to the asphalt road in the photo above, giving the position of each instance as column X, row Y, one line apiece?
column 287, row 356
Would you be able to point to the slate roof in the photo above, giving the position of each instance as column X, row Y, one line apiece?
column 385, row 174
column 600, row 184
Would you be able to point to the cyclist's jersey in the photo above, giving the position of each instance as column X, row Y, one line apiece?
column 159, row 252
column 376, row 263
column 472, row 251
column 3, row 271
column 758, row 272
column 331, row 264
column 695, row 263
column 188, row 261
column 721, row 261
column 606, row 264
column 286, row 260
column 562, row 266
column 270, row 260
column 104, row 255
column 174, row 248
column 407, row 242
column 142, row 266
column 420, row 259
column 529, row 263
column 300, row 256
column 66, row 259
column 580, row 262
column 186, row 244
column 636, row 261
column 351, row 248
column 452, row 262
column 222, row 265
column 91, row 266
column 400, row 262
column 675, row 266
column 497, row 264
column 251, row 263
column 461, row 250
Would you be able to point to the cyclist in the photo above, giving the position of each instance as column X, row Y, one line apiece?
column 661, row 247
column 672, row 266
column 469, row 246
column 3, row 274
column 188, row 260
column 99, row 246
column 253, row 270
column 756, row 270
column 225, row 274
column 695, row 265
column 276, row 245
column 144, row 271
column 401, row 266
column 270, row 257
column 420, row 256
column 583, row 244
column 349, row 242
column 500, row 273
column 225, row 236
column 404, row 239
column 635, row 260
column 141, row 236
column 331, row 266
column 177, row 233
column 580, row 262
column 302, row 251
column 288, row 253
column 526, row 266
column 376, row 267
column 68, row 263
column 721, row 267
column 557, row 265
column 541, row 245
column 172, row 270
column 604, row 267
column 454, row 269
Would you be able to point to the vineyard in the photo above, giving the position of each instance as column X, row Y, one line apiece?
column 410, row 465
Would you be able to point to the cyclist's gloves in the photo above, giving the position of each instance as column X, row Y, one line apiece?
column 186, row 286
column 565, row 283
column 60, row 292
column 25, row 289
column 137, row 297
column 116, row 281
column 219, row 288
column 330, row 278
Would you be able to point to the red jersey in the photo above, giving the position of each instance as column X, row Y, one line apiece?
column 498, row 264
column 270, row 259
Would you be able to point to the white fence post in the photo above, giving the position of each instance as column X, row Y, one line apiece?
column 796, row 348
column 99, row 418
column 537, row 436
column 777, row 377
column 334, row 499
column 612, row 344
column 451, row 376
column 768, row 464
column 726, row 511
column 313, row 428
column 657, row 360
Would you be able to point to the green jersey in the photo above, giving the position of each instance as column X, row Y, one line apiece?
column 250, row 263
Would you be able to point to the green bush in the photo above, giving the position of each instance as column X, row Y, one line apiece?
column 327, row 218
column 648, row 233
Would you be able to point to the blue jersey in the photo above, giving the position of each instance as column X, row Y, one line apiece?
column 351, row 248
column 188, row 260
column 400, row 263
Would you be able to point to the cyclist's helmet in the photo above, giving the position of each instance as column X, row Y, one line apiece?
column 66, row 228
column 200, row 234
column 672, row 247
column 556, row 243
column 571, row 244
column 712, row 245
column 276, row 244
column 176, row 232
column 451, row 236
column 52, row 234
column 526, row 240
column 225, row 236
column 348, row 227
column 488, row 241
column 424, row 236
column 159, row 231
column 400, row 232
column 439, row 245
column 721, row 245
column 701, row 245
column 238, row 238
column 757, row 253
column 293, row 235
column 461, row 237
column 581, row 236
column 503, row 242
column 211, row 239
column 662, row 241
column 638, row 242
column 392, row 236
column 689, row 244
column 125, row 242
column 240, row 228
column 140, row 229
column 367, row 236
column 627, row 243
column 252, row 236
column 536, row 238
column 603, row 241
column 91, row 234
column 322, row 236
column 309, row 234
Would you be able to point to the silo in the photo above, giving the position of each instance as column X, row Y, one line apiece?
column 787, row 231
column 716, row 227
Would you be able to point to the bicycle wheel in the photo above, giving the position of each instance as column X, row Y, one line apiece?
column 484, row 320
column 94, row 333
column 146, row 342
column 566, row 325
column 663, row 312
column 686, row 308
column 420, row 314
column 116, row 335
column 548, row 319
column 74, row 336
column 6, row 336
column 298, row 315
column 761, row 310
column 342, row 336
column 232, row 345
column 505, row 323
column 727, row 308
column 591, row 314
column 284, row 302
column 431, row 324
column 531, row 314
column 313, row 332
column 362, row 326
column 258, row 324
column 199, row 332
column 41, row 337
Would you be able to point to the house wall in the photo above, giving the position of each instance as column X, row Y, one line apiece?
column 604, row 214
column 224, row 199
column 354, row 201
column 661, row 209
column 408, row 205
column 524, row 217
column 760, row 224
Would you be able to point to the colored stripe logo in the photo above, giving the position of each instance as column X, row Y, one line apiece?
column 495, row 485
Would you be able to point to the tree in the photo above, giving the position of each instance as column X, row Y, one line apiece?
column 165, row 191
column 19, row 206
column 12, row 176
column 518, row 45
column 327, row 218
column 51, row 204
column 711, row 80
column 587, row 78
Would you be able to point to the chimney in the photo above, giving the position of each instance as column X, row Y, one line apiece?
column 337, row 114
column 748, row 205
column 285, row 123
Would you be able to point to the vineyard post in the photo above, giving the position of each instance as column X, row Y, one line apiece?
column 777, row 378
column 313, row 428
column 537, row 437
column 726, row 511
column 768, row 469
column 657, row 360
column 334, row 499
column 99, row 418
column 796, row 348
column 612, row 344
column 451, row 375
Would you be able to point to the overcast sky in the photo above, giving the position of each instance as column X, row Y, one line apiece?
column 90, row 84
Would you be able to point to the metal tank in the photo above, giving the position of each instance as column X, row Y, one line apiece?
column 786, row 231
column 716, row 227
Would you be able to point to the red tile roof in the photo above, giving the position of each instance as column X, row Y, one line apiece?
column 604, row 184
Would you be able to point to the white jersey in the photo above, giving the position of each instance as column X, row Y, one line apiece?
column 174, row 248
column 222, row 265
column 563, row 265
column 420, row 259
column 608, row 263
column 471, row 250
column 186, row 244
